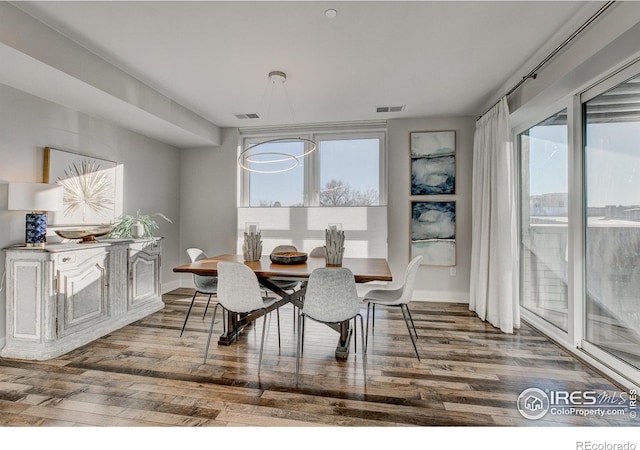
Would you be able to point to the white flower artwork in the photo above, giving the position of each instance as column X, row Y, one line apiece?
column 90, row 188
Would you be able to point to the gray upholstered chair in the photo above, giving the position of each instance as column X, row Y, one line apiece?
column 399, row 297
column 331, row 297
column 239, row 293
column 203, row 285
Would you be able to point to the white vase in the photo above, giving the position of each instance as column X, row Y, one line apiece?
column 137, row 230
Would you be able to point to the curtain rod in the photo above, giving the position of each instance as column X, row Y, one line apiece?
column 533, row 74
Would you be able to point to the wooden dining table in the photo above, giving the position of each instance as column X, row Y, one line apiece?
column 364, row 270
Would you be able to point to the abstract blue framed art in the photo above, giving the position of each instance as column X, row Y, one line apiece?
column 433, row 162
column 433, row 232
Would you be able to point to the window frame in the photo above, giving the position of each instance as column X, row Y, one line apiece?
column 610, row 361
column 567, row 338
column 311, row 177
column 244, row 176
column 529, row 314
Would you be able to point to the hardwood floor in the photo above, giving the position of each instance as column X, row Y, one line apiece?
column 146, row 375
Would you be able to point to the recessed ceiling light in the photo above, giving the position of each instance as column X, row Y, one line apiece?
column 331, row 13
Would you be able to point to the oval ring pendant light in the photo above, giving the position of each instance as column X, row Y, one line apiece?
column 286, row 157
column 250, row 156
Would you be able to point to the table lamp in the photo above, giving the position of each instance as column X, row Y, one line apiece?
column 37, row 198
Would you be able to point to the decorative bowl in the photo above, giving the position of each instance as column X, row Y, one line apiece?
column 288, row 257
column 87, row 234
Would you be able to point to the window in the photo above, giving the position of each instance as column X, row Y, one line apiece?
column 349, row 172
column 345, row 170
column 612, row 217
column 544, row 219
column 342, row 182
column 282, row 187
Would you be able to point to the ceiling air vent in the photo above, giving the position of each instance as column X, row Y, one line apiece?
column 389, row 109
column 247, row 116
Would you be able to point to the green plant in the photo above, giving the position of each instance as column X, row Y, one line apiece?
column 122, row 228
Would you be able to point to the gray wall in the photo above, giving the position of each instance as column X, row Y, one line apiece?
column 151, row 169
column 208, row 192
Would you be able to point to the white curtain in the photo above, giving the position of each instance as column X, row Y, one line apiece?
column 493, row 290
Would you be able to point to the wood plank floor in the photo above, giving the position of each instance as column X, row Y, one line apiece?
column 146, row 375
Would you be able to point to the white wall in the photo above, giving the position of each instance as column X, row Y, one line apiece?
column 151, row 169
column 432, row 283
column 365, row 228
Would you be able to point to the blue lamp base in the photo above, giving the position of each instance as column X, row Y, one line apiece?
column 36, row 229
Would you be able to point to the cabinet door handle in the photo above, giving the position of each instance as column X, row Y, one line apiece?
column 66, row 259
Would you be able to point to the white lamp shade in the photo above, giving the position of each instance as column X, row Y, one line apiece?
column 35, row 197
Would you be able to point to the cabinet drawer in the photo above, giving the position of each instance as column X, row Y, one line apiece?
column 66, row 259
column 150, row 247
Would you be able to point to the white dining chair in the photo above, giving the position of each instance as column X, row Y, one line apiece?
column 331, row 298
column 239, row 293
column 399, row 297
column 203, row 284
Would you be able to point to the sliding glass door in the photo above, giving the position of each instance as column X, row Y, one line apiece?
column 579, row 196
column 612, row 213
column 544, row 219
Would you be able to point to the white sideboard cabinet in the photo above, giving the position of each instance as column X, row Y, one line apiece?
column 63, row 296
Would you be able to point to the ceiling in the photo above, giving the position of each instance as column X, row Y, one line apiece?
column 213, row 57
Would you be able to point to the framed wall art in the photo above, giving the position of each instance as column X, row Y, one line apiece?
column 433, row 232
column 92, row 193
column 433, row 162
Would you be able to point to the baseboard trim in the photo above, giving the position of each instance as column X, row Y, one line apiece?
column 422, row 295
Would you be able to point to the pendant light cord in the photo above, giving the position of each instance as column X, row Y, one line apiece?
column 251, row 156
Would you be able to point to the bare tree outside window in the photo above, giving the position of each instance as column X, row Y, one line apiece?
column 339, row 193
column 271, row 204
